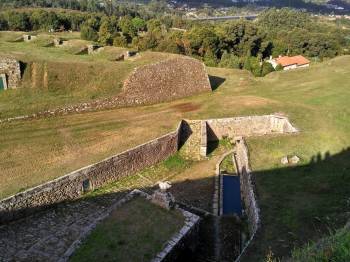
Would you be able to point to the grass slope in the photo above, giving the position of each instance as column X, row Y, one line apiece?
column 55, row 76
column 293, row 199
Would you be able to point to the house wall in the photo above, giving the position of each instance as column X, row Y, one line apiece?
column 290, row 67
column 303, row 66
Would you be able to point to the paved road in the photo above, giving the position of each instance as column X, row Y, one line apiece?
column 235, row 17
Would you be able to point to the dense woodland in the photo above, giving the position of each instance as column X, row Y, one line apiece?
column 233, row 44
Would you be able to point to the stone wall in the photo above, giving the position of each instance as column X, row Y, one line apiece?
column 185, row 239
column 200, row 132
column 204, row 139
column 248, row 126
column 11, row 68
column 167, row 80
column 247, row 185
column 251, row 208
column 191, row 139
column 73, row 185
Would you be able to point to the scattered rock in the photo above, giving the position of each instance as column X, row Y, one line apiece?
column 294, row 160
column 284, row 160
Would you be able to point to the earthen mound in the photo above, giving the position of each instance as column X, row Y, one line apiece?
column 167, row 80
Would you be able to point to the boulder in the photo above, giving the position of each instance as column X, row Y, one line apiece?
column 294, row 160
column 284, row 160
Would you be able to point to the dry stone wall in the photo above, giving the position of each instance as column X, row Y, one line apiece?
column 165, row 81
column 191, row 136
column 11, row 68
column 73, row 185
column 251, row 208
column 248, row 126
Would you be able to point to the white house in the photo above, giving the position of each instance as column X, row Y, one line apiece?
column 289, row 62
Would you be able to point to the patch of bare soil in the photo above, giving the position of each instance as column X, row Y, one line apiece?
column 186, row 107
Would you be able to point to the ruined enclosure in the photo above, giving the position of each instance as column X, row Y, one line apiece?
column 10, row 73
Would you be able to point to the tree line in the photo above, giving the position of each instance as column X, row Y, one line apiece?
column 234, row 44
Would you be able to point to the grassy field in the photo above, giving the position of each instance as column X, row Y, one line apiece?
column 55, row 76
column 298, row 204
column 138, row 237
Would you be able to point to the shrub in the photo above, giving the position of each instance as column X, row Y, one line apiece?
column 120, row 41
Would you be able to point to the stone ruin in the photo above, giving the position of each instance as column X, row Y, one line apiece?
column 10, row 71
column 57, row 42
column 93, row 49
column 167, row 80
column 28, row 38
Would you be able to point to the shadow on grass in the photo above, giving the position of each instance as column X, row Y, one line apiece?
column 216, row 82
column 298, row 204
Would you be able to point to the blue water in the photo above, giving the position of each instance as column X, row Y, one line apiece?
column 232, row 196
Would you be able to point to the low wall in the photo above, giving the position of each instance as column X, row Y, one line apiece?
column 73, row 185
column 185, row 239
column 248, row 126
column 241, row 157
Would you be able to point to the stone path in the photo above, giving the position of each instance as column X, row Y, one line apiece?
column 45, row 236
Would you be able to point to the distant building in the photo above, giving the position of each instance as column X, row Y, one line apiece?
column 289, row 62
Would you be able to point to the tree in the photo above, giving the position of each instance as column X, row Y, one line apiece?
column 148, row 41
column 120, row 41
column 3, row 23
column 89, row 29
column 154, row 25
column 107, row 32
column 266, row 69
column 139, row 24
column 230, row 61
column 18, row 21
column 127, row 27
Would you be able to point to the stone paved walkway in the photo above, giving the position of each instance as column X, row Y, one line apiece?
column 45, row 236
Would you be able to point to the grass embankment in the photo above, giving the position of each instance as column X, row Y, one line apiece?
column 55, row 76
column 137, row 231
column 333, row 248
column 293, row 200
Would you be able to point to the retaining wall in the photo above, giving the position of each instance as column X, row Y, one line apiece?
column 247, row 186
column 191, row 135
column 241, row 157
column 73, row 185
column 248, row 126
column 11, row 68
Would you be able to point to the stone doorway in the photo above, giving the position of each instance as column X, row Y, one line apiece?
column 3, row 82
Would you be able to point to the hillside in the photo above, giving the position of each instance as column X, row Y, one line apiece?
column 315, row 99
column 58, row 77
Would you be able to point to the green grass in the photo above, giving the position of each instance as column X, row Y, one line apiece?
column 335, row 248
column 55, row 77
column 135, row 232
column 293, row 200
column 227, row 165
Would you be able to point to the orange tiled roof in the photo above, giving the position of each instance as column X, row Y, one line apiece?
column 292, row 60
